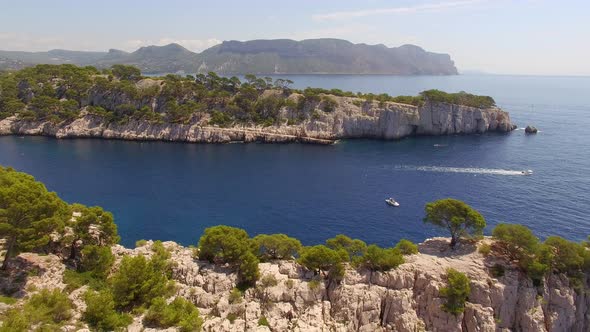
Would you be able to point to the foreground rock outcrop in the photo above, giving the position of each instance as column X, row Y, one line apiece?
column 349, row 119
column 404, row 299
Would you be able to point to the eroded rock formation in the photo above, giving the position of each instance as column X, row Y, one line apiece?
column 403, row 299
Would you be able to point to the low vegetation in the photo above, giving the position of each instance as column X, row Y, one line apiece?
column 46, row 311
column 456, row 292
column 406, row 247
column 178, row 313
column 555, row 255
column 59, row 93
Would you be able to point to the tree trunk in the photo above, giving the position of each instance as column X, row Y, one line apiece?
column 9, row 245
column 453, row 241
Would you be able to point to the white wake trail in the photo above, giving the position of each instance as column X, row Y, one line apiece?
column 468, row 170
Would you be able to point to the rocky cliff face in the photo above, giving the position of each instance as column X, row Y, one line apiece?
column 349, row 119
column 404, row 299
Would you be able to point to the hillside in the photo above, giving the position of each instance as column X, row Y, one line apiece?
column 324, row 56
column 284, row 56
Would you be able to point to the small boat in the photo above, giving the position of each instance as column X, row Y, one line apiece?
column 391, row 202
column 527, row 172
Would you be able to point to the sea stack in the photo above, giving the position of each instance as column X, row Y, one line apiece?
column 530, row 130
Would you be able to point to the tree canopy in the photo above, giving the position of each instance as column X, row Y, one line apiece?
column 29, row 214
column 276, row 246
column 456, row 216
column 58, row 93
column 354, row 247
column 230, row 245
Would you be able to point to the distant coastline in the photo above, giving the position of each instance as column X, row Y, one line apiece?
column 260, row 57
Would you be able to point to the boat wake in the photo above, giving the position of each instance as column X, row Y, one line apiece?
column 468, row 170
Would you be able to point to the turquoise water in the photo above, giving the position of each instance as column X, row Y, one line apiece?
column 172, row 191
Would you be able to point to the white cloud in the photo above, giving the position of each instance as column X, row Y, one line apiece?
column 394, row 10
column 18, row 41
column 195, row 45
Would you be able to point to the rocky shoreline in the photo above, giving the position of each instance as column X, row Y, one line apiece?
column 387, row 121
column 404, row 299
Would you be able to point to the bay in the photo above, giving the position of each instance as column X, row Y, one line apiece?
column 172, row 191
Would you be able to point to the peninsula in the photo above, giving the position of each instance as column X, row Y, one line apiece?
column 67, row 101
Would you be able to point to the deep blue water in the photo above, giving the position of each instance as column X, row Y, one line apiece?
column 173, row 191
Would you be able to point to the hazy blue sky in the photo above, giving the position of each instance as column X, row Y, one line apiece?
column 499, row 36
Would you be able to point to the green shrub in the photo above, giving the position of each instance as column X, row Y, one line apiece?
column 536, row 271
column 235, row 296
column 329, row 104
column 381, row 259
column 484, row 249
column 138, row 281
column 321, row 258
column 161, row 259
column 124, row 72
column 14, row 320
column 517, row 242
column 46, row 306
column 74, row 280
column 262, row 321
column 568, row 257
column 276, row 246
column 225, row 244
column 100, row 312
column 314, row 284
column 7, row 299
column 221, row 119
column 289, row 283
column 407, row 247
column 180, row 313
column 97, row 261
column 410, row 100
column 460, row 98
column 140, row 243
column 517, row 239
column 456, row 292
column 46, row 310
column 355, row 248
column 231, row 317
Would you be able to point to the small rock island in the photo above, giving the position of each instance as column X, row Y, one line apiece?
column 530, row 130
column 66, row 101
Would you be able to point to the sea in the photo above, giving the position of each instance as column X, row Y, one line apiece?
column 173, row 191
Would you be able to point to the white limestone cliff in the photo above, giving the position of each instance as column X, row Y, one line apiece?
column 349, row 120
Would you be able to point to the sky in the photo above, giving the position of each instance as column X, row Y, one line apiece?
column 531, row 37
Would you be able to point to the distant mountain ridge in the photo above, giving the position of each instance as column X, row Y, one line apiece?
column 277, row 56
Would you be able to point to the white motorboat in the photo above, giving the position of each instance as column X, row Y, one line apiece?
column 527, row 172
column 391, row 202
